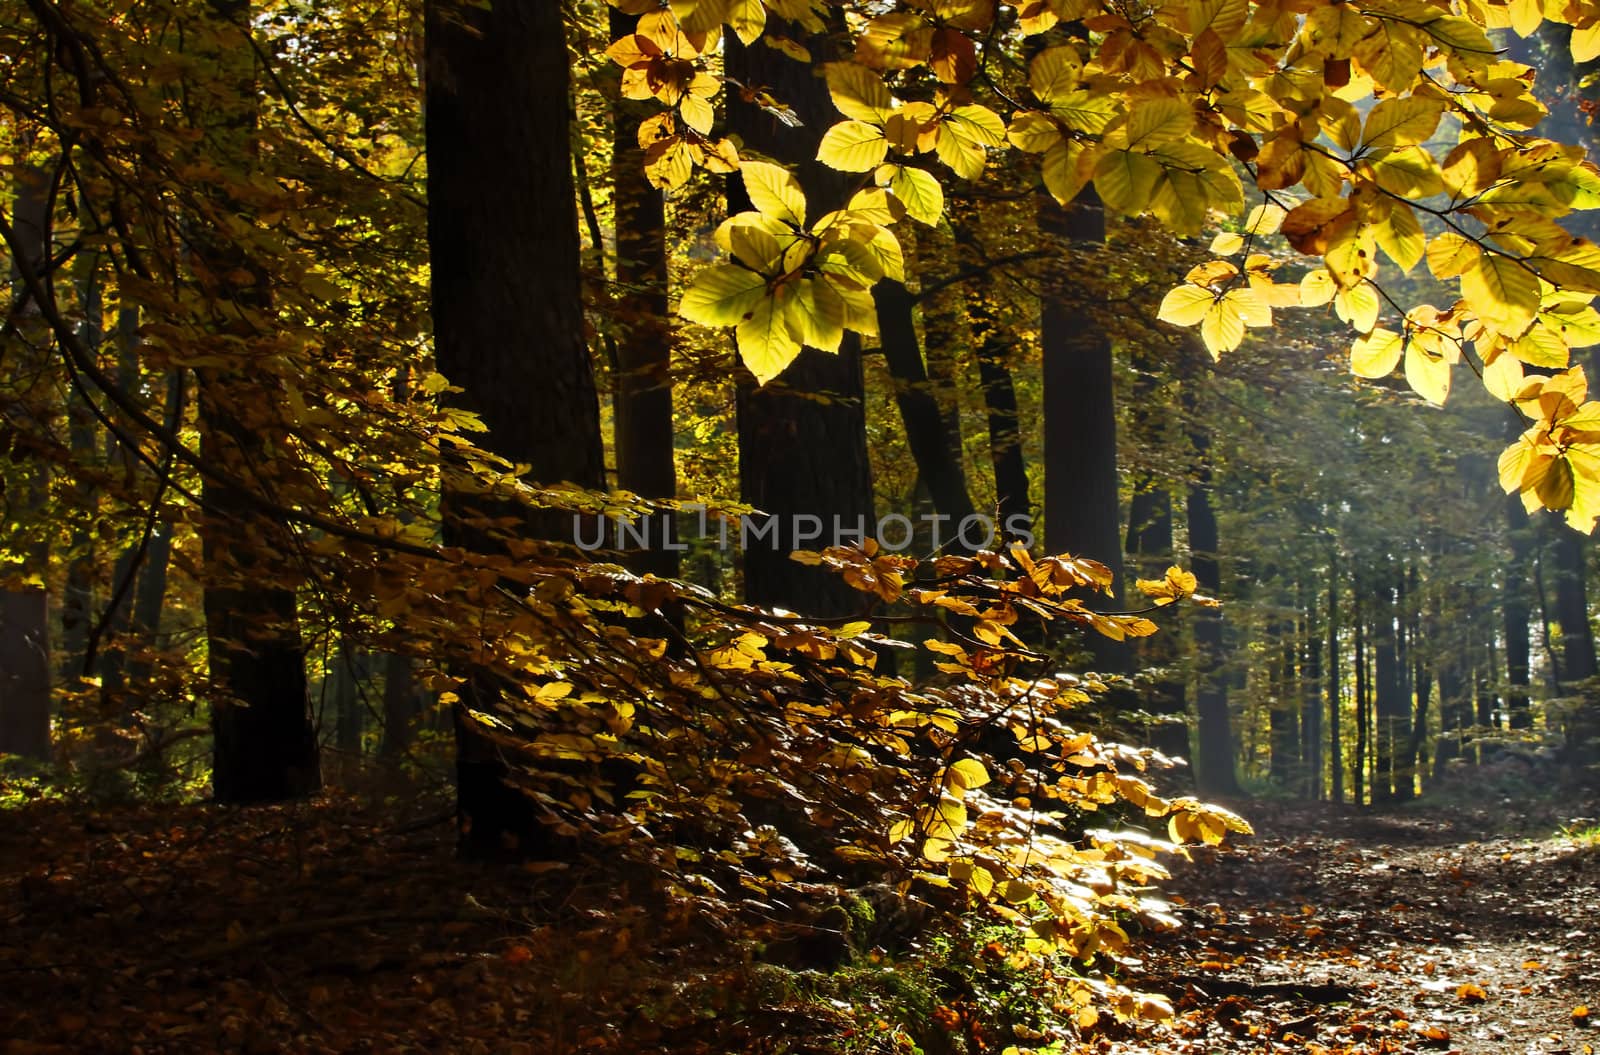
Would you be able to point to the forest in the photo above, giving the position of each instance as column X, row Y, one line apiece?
column 799, row 526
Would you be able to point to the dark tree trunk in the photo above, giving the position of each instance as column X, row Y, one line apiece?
column 994, row 347
column 946, row 336
column 507, row 310
column 1150, row 550
column 1514, row 603
column 1390, row 699
column 1311, row 695
column 802, row 437
column 1405, row 768
column 932, row 447
column 25, row 610
column 1358, row 771
column 399, row 707
column 1577, row 643
column 642, row 404
column 264, row 745
column 1335, row 724
column 1284, row 704
column 1082, row 511
column 1215, row 772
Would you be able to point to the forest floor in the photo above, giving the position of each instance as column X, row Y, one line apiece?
column 333, row 927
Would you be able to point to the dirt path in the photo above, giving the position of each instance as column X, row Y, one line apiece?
column 1358, row 933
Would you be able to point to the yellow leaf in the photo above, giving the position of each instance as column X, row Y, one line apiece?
column 1401, row 237
column 1054, row 72
column 1222, row 329
column 853, row 146
column 967, row 773
column 1376, row 354
column 1450, row 255
column 765, row 343
column 1317, row 288
column 1066, row 168
column 1227, row 243
column 1428, row 377
column 858, row 92
column 919, row 192
column 722, row 295
column 1586, row 43
column 1157, row 121
column 1185, row 305
column 1401, row 122
column 1502, row 293
column 1359, row 306
column 1126, row 180
column 1032, row 132
column 774, row 192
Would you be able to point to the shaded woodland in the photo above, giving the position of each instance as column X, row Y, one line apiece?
column 796, row 525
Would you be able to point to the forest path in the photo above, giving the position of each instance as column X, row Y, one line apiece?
column 1346, row 932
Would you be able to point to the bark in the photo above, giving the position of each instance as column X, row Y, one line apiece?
column 1311, row 695
column 1284, row 706
column 934, row 450
column 1335, row 725
column 1215, row 772
column 399, row 707
column 264, row 748
column 994, row 347
column 25, row 609
column 1150, row 550
column 507, row 310
column 946, row 336
column 1359, row 769
column 1387, row 686
column 802, row 437
column 1082, row 511
column 1577, row 644
column 642, row 402
column 1514, row 605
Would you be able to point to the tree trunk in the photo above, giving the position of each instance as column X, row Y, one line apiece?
column 1390, row 701
column 1311, row 695
column 507, row 309
column 1150, row 550
column 1215, row 772
column 25, row 606
column 1082, row 511
column 1582, row 722
column 934, row 450
column 1514, row 604
column 802, row 437
column 264, row 748
column 1358, row 770
column 399, row 707
column 1284, row 703
column 1000, row 405
column 1335, row 730
column 642, row 404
